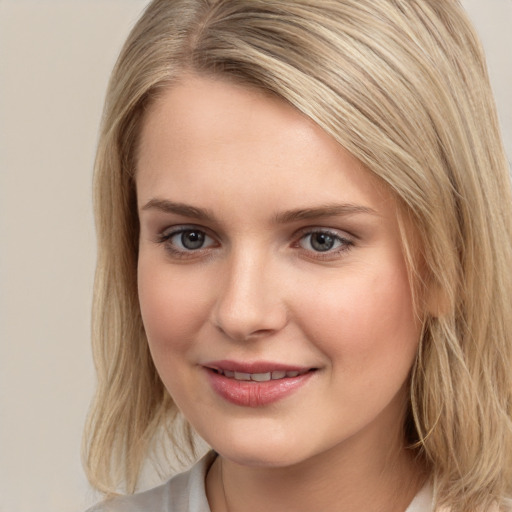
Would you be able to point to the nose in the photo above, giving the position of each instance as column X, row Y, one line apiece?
column 249, row 299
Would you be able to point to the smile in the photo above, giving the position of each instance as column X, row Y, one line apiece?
column 260, row 377
column 256, row 384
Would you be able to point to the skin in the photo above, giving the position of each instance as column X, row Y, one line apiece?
column 259, row 290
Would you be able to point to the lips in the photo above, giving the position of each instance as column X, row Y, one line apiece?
column 261, row 377
column 255, row 384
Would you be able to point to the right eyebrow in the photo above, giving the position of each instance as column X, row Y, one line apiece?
column 182, row 209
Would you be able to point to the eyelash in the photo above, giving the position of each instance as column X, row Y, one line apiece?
column 166, row 236
column 343, row 243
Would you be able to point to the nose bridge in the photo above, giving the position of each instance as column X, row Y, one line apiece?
column 248, row 301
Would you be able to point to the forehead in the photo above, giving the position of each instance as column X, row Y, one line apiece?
column 220, row 134
column 200, row 113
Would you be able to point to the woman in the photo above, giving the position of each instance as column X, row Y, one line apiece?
column 304, row 221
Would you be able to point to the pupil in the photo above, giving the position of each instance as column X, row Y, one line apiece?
column 322, row 242
column 192, row 239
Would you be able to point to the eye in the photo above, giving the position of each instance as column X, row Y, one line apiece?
column 190, row 239
column 183, row 240
column 324, row 241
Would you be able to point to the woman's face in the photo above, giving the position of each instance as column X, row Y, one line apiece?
column 272, row 283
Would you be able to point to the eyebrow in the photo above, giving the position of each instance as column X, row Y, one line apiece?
column 179, row 209
column 329, row 210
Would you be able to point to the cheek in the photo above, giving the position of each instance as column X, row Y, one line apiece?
column 172, row 305
column 366, row 320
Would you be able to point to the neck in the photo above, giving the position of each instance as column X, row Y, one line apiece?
column 348, row 478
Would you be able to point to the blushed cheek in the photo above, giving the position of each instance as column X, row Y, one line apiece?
column 365, row 320
column 165, row 311
column 173, row 307
column 392, row 336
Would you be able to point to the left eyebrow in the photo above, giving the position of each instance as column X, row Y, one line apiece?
column 333, row 210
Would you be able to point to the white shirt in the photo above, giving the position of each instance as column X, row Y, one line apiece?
column 186, row 493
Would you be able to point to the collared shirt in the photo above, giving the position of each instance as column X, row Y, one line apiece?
column 186, row 493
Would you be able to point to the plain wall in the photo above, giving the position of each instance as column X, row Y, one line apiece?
column 55, row 59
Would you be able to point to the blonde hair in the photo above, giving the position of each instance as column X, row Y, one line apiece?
column 403, row 86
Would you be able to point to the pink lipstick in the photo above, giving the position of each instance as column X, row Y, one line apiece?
column 255, row 384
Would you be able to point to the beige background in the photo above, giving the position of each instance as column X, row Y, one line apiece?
column 55, row 58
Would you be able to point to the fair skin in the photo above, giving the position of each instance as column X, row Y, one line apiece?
column 267, row 249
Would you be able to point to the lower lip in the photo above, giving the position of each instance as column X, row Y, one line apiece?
column 255, row 394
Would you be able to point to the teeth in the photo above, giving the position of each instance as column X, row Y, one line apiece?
column 242, row 376
column 261, row 377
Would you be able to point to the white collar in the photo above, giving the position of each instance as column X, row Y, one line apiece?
column 423, row 501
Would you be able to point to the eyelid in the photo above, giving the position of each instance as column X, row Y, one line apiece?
column 347, row 241
column 179, row 228
column 164, row 237
column 338, row 233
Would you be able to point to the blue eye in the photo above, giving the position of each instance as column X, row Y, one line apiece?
column 184, row 240
column 324, row 241
column 191, row 239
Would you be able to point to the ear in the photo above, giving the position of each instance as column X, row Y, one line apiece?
column 437, row 300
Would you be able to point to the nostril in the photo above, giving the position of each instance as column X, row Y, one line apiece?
column 243, row 331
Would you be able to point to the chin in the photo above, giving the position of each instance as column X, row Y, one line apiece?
column 267, row 451
column 259, row 458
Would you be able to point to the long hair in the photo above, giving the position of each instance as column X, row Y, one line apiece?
column 403, row 86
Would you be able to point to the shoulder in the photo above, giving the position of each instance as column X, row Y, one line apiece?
column 506, row 506
column 424, row 502
column 182, row 493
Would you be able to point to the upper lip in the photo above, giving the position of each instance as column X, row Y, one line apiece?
column 254, row 366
